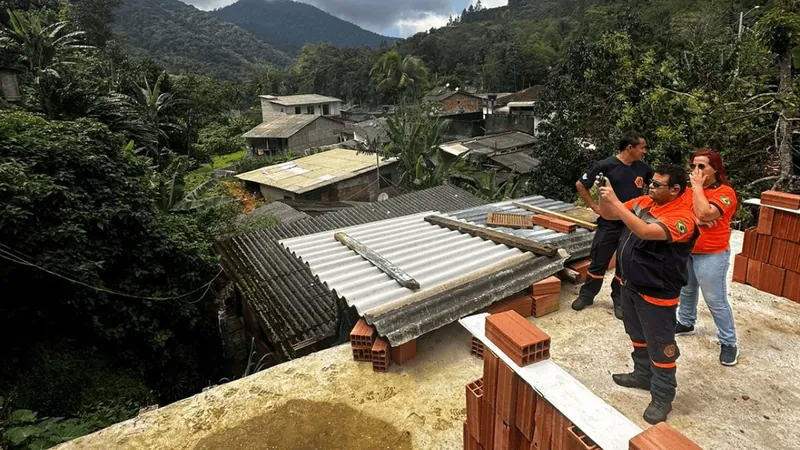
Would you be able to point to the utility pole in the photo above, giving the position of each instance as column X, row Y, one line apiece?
column 741, row 20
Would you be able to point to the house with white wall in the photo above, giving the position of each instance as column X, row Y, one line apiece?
column 307, row 104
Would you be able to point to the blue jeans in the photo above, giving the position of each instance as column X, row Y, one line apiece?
column 709, row 273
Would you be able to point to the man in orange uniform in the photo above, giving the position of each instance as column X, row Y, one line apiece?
column 659, row 235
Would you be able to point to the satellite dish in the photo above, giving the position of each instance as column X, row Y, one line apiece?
column 447, row 85
column 456, row 89
column 383, row 197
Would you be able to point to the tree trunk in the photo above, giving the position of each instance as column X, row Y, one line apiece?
column 784, row 126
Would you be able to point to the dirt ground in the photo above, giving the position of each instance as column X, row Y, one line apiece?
column 327, row 401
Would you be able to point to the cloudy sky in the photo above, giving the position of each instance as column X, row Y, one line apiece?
column 400, row 18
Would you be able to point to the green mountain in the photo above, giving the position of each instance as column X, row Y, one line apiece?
column 288, row 25
column 187, row 39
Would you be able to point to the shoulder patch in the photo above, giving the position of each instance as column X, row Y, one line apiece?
column 585, row 177
column 726, row 200
column 681, row 226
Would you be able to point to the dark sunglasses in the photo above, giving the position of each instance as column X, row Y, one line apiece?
column 656, row 184
column 701, row 166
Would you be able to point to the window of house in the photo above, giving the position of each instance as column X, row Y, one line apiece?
column 386, row 180
column 310, row 110
column 326, row 110
column 298, row 110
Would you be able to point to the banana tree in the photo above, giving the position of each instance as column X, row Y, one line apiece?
column 172, row 196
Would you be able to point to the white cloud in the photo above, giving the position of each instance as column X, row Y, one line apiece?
column 492, row 3
column 423, row 22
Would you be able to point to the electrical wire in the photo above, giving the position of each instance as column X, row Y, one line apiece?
column 9, row 256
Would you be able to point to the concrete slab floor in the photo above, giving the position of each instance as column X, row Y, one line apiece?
column 327, row 401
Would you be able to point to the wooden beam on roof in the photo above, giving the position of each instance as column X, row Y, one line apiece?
column 386, row 266
column 581, row 223
column 494, row 236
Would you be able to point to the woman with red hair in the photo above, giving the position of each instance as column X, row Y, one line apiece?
column 714, row 204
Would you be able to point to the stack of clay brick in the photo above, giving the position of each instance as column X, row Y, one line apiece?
column 369, row 347
column 582, row 267
column 505, row 413
column 541, row 299
column 770, row 257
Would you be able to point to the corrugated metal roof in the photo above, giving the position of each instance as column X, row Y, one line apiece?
column 290, row 304
column 578, row 244
column 282, row 127
column 519, row 162
column 297, row 100
column 441, row 260
column 315, row 171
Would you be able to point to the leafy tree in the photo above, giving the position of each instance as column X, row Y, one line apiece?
column 42, row 49
column 73, row 203
column 172, row 195
column 96, row 17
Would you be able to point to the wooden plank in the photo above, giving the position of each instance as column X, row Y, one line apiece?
column 378, row 261
column 582, row 213
column 606, row 426
column 536, row 209
column 495, row 236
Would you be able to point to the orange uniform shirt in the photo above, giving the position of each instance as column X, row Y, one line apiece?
column 675, row 217
column 716, row 239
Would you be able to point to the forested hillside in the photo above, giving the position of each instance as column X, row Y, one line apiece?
column 187, row 39
column 288, row 25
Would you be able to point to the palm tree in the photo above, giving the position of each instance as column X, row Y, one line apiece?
column 151, row 107
column 398, row 75
column 42, row 49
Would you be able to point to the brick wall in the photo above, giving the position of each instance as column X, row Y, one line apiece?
column 468, row 102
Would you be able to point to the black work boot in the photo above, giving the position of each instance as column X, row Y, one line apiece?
column 657, row 411
column 629, row 380
column 581, row 303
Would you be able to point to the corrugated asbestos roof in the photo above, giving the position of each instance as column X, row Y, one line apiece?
column 292, row 307
column 578, row 244
column 441, row 260
column 519, row 162
column 315, row 171
column 489, row 144
column 296, row 100
column 282, row 127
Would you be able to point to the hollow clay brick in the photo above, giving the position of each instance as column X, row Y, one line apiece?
column 505, row 434
column 544, row 304
column 791, row 287
column 519, row 339
column 362, row 335
column 662, row 437
column 773, row 279
column 578, row 440
column 490, row 363
column 381, row 358
column 749, row 244
column 555, row 224
column 474, row 401
column 526, row 409
column 765, row 220
column 476, row 348
column 362, row 354
column 754, row 273
column 550, row 285
column 487, row 425
column 404, row 353
column 780, row 199
column 763, row 248
column 507, row 386
column 740, row 268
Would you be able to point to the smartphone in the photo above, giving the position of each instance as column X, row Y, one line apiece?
column 601, row 179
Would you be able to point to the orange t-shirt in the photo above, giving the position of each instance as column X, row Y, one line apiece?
column 676, row 217
column 716, row 239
